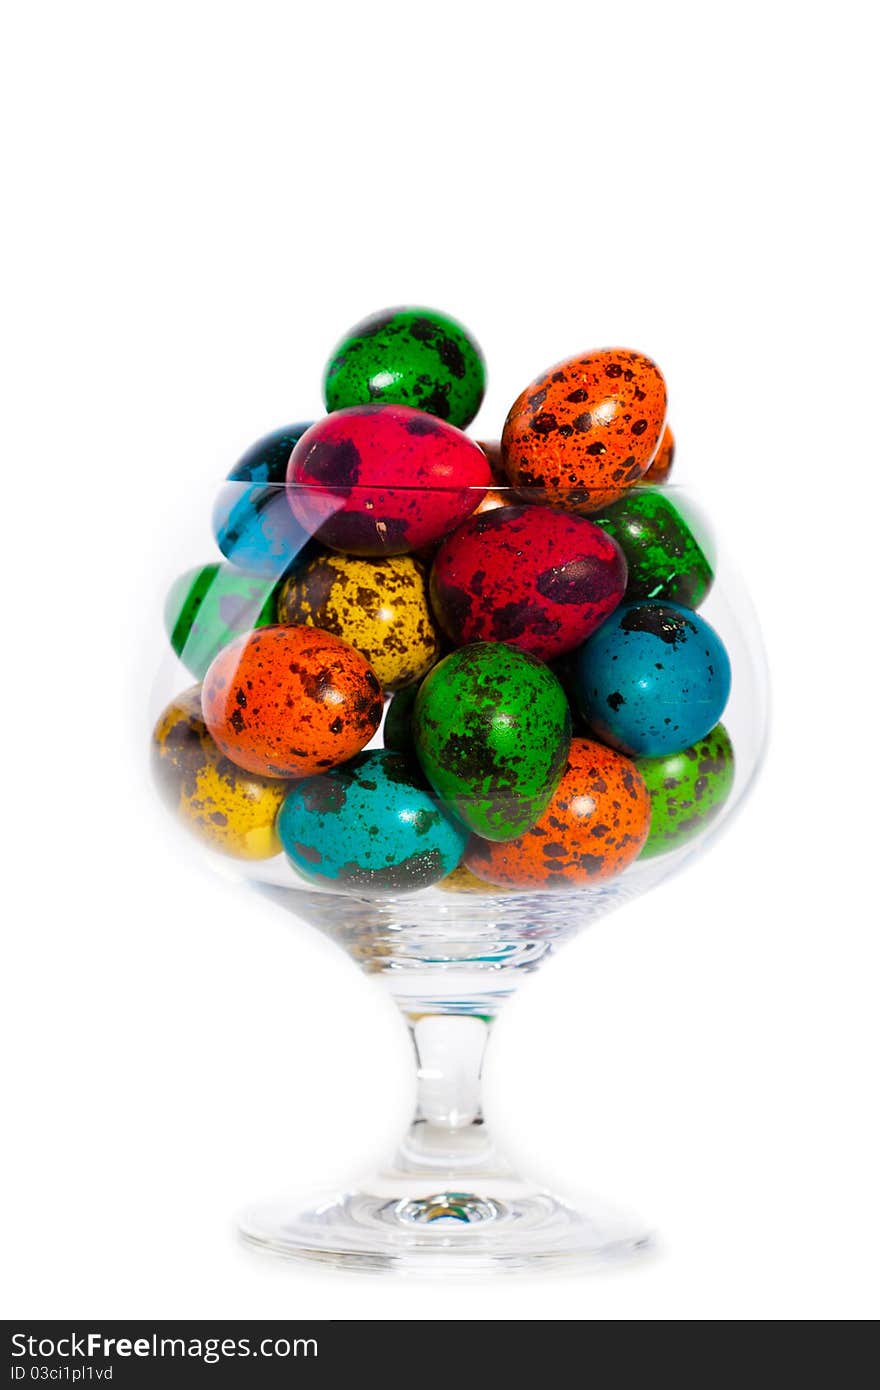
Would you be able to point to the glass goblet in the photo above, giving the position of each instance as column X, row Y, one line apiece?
column 453, row 934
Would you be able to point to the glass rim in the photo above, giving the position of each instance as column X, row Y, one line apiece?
column 518, row 490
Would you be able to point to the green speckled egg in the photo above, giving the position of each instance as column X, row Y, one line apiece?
column 492, row 729
column 663, row 555
column 407, row 356
column 397, row 729
column 687, row 790
column 372, row 823
column 209, row 606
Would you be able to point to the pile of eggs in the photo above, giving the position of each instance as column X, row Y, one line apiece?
column 519, row 618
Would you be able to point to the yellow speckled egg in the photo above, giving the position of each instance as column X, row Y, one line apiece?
column 461, row 880
column 380, row 606
column 231, row 810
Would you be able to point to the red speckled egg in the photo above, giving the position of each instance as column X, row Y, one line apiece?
column 587, row 429
column 384, row 479
column 538, row 579
column 290, row 701
column 593, row 828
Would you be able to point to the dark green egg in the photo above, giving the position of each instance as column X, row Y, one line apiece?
column 492, row 728
column 397, row 729
column 687, row 790
column 664, row 557
column 414, row 357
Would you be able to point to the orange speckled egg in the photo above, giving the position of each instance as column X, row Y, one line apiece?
column 661, row 468
column 594, row 827
column 587, row 429
column 290, row 701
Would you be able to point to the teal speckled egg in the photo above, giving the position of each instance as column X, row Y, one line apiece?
column 414, row 357
column 652, row 680
column 370, row 824
column 209, row 606
column 687, row 790
column 492, row 730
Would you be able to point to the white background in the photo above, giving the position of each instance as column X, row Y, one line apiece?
column 200, row 198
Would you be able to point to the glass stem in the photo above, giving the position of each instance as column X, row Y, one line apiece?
column 447, row 1135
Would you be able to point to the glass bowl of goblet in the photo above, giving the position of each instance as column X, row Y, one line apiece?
column 449, row 766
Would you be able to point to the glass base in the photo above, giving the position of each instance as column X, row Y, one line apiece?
column 398, row 1223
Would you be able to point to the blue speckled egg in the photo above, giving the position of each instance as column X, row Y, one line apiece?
column 369, row 824
column 253, row 521
column 653, row 679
